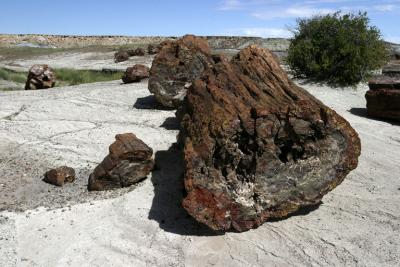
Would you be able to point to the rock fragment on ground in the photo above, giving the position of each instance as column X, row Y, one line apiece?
column 121, row 56
column 59, row 176
column 383, row 98
column 175, row 67
column 40, row 76
column 257, row 146
column 128, row 162
column 152, row 49
column 135, row 74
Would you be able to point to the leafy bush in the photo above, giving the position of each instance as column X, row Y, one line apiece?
column 339, row 49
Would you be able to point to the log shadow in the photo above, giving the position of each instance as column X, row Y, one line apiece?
column 303, row 211
column 149, row 102
column 166, row 208
column 362, row 112
column 171, row 123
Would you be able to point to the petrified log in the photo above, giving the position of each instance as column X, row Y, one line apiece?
column 128, row 162
column 40, row 76
column 60, row 175
column 176, row 65
column 135, row 74
column 121, row 56
column 152, row 49
column 383, row 98
column 257, row 146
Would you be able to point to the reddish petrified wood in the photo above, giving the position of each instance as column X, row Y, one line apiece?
column 175, row 67
column 135, row 74
column 383, row 98
column 257, row 146
column 40, row 76
column 128, row 162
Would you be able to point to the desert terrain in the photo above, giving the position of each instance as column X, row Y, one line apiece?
column 357, row 224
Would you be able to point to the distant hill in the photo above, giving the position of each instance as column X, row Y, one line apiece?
column 67, row 41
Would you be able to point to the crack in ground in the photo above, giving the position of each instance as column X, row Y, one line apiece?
column 15, row 114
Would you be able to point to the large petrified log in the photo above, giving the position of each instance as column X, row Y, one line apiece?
column 175, row 67
column 257, row 146
column 383, row 98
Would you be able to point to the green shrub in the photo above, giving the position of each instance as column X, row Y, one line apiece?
column 339, row 49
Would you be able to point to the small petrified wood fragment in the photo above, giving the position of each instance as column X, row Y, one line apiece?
column 128, row 162
column 257, row 146
column 135, row 74
column 383, row 98
column 152, row 49
column 40, row 76
column 59, row 176
column 121, row 56
column 175, row 67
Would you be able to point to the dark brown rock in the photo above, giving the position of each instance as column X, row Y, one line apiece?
column 257, row 146
column 135, row 73
column 136, row 52
column 383, row 98
column 60, row 175
column 384, row 82
column 128, row 162
column 121, row 56
column 40, row 77
column 175, row 67
column 152, row 49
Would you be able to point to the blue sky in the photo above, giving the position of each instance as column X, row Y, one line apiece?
column 267, row 18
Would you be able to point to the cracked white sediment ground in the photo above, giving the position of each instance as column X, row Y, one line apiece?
column 358, row 223
column 76, row 60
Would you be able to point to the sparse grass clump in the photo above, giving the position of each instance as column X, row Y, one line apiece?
column 75, row 77
column 9, row 75
column 338, row 49
column 65, row 76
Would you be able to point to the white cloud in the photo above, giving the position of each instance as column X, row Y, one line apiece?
column 392, row 39
column 293, row 12
column 260, row 32
column 230, row 5
column 385, row 7
column 267, row 32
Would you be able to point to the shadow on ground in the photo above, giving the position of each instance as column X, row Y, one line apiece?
column 170, row 123
column 166, row 208
column 149, row 102
column 362, row 112
column 303, row 211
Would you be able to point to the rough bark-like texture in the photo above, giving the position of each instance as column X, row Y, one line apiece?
column 257, row 146
column 40, row 77
column 128, row 162
column 383, row 98
column 121, row 56
column 175, row 67
column 60, row 175
column 135, row 74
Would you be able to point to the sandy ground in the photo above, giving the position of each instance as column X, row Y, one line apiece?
column 78, row 60
column 357, row 224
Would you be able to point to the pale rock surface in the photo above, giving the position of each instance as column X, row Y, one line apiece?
column 356, row 225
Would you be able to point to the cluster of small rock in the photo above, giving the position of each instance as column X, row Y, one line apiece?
column 255, row 145
column 128, row 162
column 124, row 55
